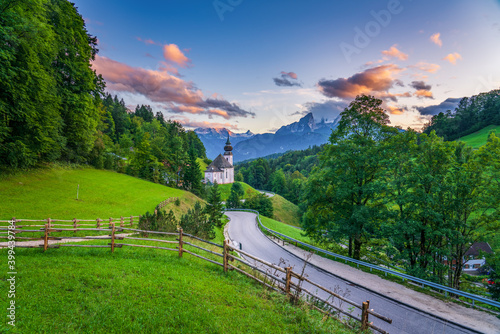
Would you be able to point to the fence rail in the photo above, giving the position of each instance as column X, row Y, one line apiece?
column 422, row 282
column 265, row 273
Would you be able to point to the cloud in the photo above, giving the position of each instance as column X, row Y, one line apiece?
column 448, row 104
column 173, row 54
column 175, row 94
column 378, row 79
column 288, row 79
column 422, row 93
column 148, row 41
column 420, row 85
column 395, row 110
column 328, row 110
column 393, row 52
column 436, row 39
column 426, row 67
column 453, row 57
column 186, row 122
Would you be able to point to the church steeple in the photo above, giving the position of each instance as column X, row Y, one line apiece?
column 228, row 147
column 227, row 151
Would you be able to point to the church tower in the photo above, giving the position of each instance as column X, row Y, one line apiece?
column 228, row 155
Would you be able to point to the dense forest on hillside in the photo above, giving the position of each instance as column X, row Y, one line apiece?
column 423, row 200
column 53, row 107
column 284, row 173
column 472, row 114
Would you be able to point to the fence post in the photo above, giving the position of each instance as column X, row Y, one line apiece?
column 48, row 221
column 46, row 237
column 288, row 279
column 74, row 224
column 224, row 253
column 112, row 237
column 14, row 220
column 180, row 242
column 98, row 223
column 110, row 220
column 364, row 315
column 121, row 221
column 131, row 220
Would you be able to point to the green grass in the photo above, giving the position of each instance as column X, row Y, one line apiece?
column 225, row 190
column 285, row 229
column 285, row 211
column 479, row 138
column 136, row 290
column 51, row 193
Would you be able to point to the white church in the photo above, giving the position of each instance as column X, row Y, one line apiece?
column 221, row 169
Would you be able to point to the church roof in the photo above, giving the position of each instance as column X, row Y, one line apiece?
column 218, row 164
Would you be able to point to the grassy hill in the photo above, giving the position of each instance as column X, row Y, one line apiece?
column 51, row 193
column 478, row 139
column 225, row 190
column 203, row 165
column 285, row 211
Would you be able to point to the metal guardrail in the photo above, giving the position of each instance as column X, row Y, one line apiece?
column 423, row 282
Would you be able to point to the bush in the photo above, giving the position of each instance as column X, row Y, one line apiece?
column 196, row 222
column 261, row 203
column 158, row 222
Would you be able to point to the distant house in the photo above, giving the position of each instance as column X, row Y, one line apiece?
column 473, row 260
column 221, row 169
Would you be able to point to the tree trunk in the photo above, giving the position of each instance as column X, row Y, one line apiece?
column 350, row 246
column 357, row 247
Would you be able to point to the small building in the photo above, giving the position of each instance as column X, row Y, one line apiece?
column 221, row 169
column 473, row 260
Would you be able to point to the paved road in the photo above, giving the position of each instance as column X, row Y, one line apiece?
column 243, row 229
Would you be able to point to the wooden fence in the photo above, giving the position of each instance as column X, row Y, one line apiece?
column 284, row 280
column 165, row 202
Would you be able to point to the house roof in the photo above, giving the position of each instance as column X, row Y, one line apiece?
column 479, row 247
column 218, row 164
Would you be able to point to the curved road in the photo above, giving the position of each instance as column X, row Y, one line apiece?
column 243, row 229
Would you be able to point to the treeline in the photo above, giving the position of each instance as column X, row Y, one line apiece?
column 471, row 115
column 52, row 105
column 284, row 175
column 423, row 199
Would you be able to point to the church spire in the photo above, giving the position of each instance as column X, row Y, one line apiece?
column 228, row 148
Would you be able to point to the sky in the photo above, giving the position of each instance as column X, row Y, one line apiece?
column 258, row 65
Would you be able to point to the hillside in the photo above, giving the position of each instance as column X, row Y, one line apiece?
column 225, row 190
column 285, row 211
column 52, row 192
column 479, row 138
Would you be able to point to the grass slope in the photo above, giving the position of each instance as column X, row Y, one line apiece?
column 478, row 139
column 285, row 211
column 203, row 165
column 285, row 229
column 225, row 190
column 45, row 193
column 145, row 291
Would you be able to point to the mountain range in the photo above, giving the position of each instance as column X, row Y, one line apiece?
column 296, row 136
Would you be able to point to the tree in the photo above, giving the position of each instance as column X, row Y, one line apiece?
column 214, row 207
column 196, row 222
column 344, row 198
column 192, row 174
column 234, row 200
column 260, row 202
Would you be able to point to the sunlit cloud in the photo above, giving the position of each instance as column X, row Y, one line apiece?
column 426, row 67
column 176, row 95
column 453, row 57
column 173, row 54
column 378, row 79
column 393, row 52
column 189, row 123
column 436, row 39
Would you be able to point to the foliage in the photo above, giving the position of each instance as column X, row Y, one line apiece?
column 196, row 222
column 260, row 202
column 214, row 207
column 344, row 196
column 493, row 261
column 158, row 221
column 479, row 138
column 237, row 192
column 472, row 114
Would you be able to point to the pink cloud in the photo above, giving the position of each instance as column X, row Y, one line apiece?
column 376, row 79
column 177, row 95
column 204, row 124
column 436, row 39
column 291, row 75
column 173, row 54
column 426, row 67
column 453, row 57
column 393, row 52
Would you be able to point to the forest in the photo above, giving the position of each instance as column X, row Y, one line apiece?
column 53, row 108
